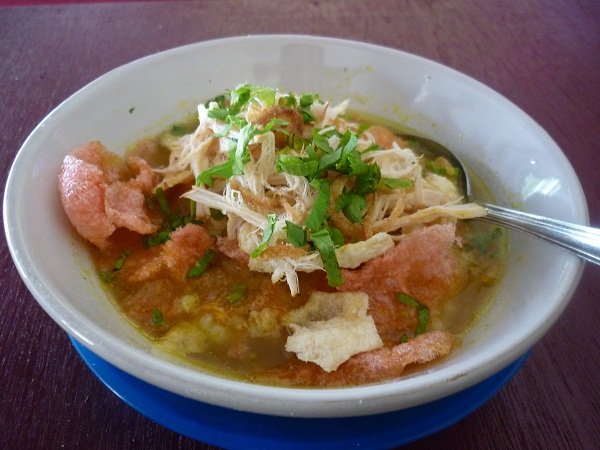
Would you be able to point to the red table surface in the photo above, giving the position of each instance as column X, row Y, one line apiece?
column 544, row 55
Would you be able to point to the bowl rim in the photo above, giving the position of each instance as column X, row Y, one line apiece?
column 297, row 401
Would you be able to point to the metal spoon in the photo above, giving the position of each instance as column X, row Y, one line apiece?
column 581, row 240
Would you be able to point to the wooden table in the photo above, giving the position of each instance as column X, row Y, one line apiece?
column 544, row 55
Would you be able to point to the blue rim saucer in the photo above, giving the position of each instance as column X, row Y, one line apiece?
column 231, row 429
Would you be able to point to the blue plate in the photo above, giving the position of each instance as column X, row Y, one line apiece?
column 231, row 429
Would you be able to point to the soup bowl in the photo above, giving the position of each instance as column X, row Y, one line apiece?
column 521, row 164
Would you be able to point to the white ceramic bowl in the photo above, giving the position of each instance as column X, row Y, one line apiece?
column 520, row 162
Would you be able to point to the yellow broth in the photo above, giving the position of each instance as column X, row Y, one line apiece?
column 228, row 320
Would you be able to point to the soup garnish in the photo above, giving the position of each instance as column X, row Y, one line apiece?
column 281, row 239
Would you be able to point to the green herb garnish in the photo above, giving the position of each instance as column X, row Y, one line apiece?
column 306, row 101
column 337, row 237
column 442, row 169
column 158, row 320
column 219, row 100
column 397, row 183
column 162, row 202
column 317, row 216
column 320, row 142
column 107, row 276
column 324, row 244
column 422, row 311
column 239, row 97
column 482, row 242
column 295, row 165
column 353, row 206
column 121, row 260
column 355, row 165
column 202, row 265
column 368, row 180
column 265, row 95
column 179, row 129
column 337, row 158
column 296, row 235
column 362, row 128
column 267, row 233
column 223, row 170
column 288, row 101
column 172, row 218
column 237, row 293
column 219, row 113
column 157, row 238
column 238, row 154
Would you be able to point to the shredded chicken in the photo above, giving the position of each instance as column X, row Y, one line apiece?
column 248, row 196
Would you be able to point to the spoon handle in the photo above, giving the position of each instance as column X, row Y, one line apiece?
column 580, row 240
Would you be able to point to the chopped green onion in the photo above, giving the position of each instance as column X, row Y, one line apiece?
column 178, row 221
column 422, row 311
column 178, row 129
column 121, row 260
column 158, row 320
column 157, row 238
column 203, row 263
column 324, row 244
column 267, row 233
column 483, row 242
column 107, row 276
column 296, row 235
column 442, row 170
column 397, row 183
column 237, row 293
column 162, row 202
column 423, row 318
column 407, row 299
